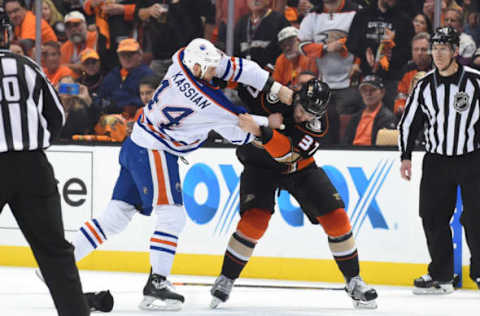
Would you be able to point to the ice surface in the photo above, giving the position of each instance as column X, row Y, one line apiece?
column 22, row 294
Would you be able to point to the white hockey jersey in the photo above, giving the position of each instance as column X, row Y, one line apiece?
column 184, row 109
column 325, row 28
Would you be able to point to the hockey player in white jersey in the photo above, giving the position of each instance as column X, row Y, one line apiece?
column 177, row 120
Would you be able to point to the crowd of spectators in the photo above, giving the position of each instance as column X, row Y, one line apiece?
column 106, row 57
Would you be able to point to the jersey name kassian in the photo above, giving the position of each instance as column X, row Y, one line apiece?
column 188, row 91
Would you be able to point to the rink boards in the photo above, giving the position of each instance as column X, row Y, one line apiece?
column 382, row 207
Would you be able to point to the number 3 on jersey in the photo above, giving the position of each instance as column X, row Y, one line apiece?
column 306, row 144
column 173, row 114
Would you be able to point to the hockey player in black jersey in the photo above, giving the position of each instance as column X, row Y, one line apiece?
column 283, row 160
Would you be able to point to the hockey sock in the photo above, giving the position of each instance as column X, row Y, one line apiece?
column 163, row 243
column 90, row 236
column 93, row 233
column 162, row 251
column 239, row 251
column 250, row 229
column 345, row 255
column 341, row 242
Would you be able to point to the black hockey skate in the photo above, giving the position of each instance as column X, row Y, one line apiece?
column 362, row 295
column 220, row 290
column 159, row 294
column 425, row 285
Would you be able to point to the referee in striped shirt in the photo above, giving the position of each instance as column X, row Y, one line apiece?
column 30, row 116
column 447, row 100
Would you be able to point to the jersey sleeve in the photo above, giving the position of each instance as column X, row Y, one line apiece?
column 235, row 69
column 279, row 146
column 411, row 123
column 234, row 134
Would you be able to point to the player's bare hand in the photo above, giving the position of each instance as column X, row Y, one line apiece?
column 248, row 124
column 275, row 120
column 285, row 95
column 406, row 169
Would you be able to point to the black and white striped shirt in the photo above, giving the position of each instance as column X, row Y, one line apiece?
column 30, row 110
column 450, row 107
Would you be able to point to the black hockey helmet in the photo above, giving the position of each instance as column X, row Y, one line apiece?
column 446, row 35
column 5, row 29
column 313, row 96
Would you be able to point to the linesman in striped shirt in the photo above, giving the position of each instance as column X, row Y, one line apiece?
column 446, row 102
column 30, row 115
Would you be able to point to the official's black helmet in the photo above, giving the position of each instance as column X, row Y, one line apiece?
column 313, row 96
column 5, row 29
column 446, row 35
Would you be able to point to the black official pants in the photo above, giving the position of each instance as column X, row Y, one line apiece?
column 438, row 193
column 28, row 186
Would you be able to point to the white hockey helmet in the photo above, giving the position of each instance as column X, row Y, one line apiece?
column 203, row 52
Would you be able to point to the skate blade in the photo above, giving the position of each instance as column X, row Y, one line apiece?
column 432, row 291
column 150, row 303
column 215, row 302
column 365, row 304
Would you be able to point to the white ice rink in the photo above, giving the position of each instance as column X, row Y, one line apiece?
column 22, row 294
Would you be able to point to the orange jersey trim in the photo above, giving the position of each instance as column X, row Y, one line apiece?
column 162, row 193
column 94, row 232
column 166, row 242
column 279, row 145
column 303, row 163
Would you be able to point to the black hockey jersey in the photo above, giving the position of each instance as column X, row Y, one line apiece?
column 287, row 150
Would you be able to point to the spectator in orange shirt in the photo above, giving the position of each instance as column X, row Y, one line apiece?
column 78, row 40
column 51, row 63
column 291, row 63
column 421, row 61
column 114, row 22
column 364, row 125
column 24, row 22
